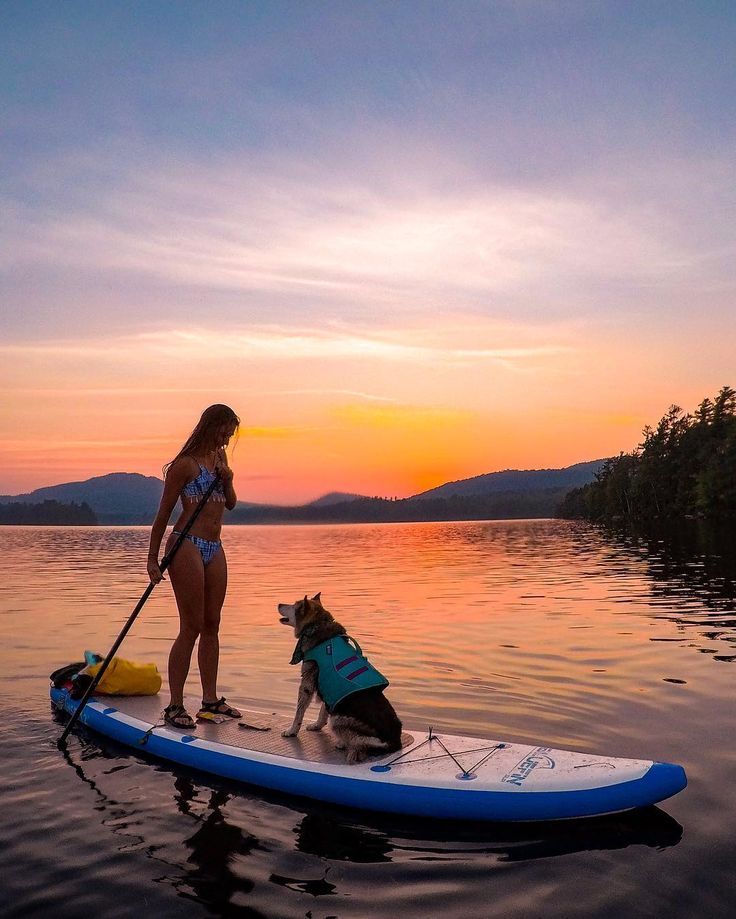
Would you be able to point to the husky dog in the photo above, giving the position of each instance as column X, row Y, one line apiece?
column 350, row 689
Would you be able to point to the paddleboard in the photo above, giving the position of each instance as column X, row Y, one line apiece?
column 434, row 774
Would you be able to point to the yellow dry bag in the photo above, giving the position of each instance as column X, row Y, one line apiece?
column 126, row 678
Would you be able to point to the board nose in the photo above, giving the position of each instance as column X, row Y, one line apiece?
column 667, row 778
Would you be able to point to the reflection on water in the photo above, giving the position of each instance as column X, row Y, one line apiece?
column 695, row 563
column 540, row 631
column 214, row 844
column 327, row 837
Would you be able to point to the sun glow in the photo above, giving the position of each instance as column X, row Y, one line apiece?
column 388, row 302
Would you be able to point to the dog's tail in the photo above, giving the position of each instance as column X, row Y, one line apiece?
column 384, row 745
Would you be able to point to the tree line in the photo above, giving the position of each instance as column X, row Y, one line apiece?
column 684, row 467
column 47, row 513
column 500, row 505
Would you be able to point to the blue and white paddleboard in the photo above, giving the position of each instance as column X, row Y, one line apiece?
column 433, row 775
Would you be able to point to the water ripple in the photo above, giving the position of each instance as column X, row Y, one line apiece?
column 523, row 630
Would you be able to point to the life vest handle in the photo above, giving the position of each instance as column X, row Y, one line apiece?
column 351, row 640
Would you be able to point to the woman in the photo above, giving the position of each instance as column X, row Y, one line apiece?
column 198, row 570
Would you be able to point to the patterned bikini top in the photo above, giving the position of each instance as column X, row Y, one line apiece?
column 197, row 488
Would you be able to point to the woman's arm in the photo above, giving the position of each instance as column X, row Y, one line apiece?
column 226, row 475
column 177, row 476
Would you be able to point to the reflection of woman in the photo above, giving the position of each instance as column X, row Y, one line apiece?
column 199, row 569
column 210, row 870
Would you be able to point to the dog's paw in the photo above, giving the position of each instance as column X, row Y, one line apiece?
column 289, row 733
column 315, row 726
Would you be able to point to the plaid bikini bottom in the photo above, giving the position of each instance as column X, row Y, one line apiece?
column 208, row 548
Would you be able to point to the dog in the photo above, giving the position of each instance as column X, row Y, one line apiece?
column 350, row 689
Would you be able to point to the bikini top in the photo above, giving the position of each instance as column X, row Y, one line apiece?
column 197, row 488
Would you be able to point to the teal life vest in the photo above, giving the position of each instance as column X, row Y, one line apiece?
column 343, row 669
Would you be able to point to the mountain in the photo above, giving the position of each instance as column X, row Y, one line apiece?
column 512, row 494
column 127, row 498
column 503, row 505
column 516, row 480
column 334, row 497
column 117, row 498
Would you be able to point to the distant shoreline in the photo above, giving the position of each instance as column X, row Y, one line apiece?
column 47, row 513
column 131, row 499
column 347, row 523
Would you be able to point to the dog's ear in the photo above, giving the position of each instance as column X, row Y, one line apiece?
column 304, row 614
column 317, row 598
column 300, row 609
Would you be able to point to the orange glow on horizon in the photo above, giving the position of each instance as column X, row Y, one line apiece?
column 386, row 451
column 392, row 422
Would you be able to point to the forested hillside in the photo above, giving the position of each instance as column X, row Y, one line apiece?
column 685, row 466
column 48, row 513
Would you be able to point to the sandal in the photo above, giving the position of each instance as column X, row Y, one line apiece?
column 220, row 707
column 178, row 717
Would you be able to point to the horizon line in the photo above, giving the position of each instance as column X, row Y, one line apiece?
column 323, row 494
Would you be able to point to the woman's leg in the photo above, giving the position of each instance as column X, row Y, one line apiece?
column 187, row 579
column 215, row 585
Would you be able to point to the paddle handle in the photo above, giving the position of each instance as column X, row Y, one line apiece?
column 165, row 562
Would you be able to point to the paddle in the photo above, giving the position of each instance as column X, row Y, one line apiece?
column 165, row 562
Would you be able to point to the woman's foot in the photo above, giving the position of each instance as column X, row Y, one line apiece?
column 178, row 717
column 219, row 707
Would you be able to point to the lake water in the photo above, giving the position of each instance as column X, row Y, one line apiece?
column 529, row 631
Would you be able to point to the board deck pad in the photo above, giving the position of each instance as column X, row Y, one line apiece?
column 313, row 746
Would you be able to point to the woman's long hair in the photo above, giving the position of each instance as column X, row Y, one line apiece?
column 213, row 419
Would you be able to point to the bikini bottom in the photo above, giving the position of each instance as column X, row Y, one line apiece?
column 208, row 548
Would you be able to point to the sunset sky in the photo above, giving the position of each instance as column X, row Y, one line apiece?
column 408, row 242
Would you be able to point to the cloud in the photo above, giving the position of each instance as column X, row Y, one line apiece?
column 400, row 417
column 368, row 397
column 267, row 433
column 273, row 343
column 280, row 228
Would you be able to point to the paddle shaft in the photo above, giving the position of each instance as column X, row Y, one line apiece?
column 165, row 562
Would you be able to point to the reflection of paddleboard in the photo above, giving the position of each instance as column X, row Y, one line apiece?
column 446, row 776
